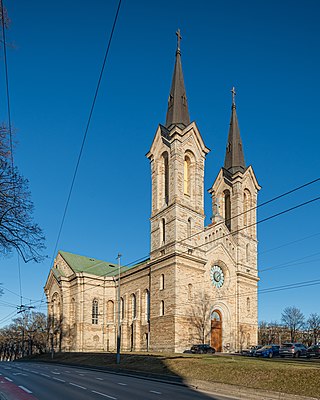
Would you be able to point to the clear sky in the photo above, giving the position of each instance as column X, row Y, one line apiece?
column 268, row 50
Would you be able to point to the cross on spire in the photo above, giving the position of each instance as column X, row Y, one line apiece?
column 179, row 37
column 233, row 91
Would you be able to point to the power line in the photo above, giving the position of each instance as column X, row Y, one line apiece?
column 86, row 130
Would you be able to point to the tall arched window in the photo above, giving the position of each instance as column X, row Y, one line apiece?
column 162, row 232
column 227, row 209
column 110, row 311
column 121, row 308
column 246, row 207
column 165, row 160
column 248, row 304
column 134, row 306
column 187, row 176
column 95, row 312
column 73, row 311
column 161, row 282
column 147, row 305
column 189, row 227
column 161, row 307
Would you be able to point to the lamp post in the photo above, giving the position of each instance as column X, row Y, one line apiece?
column 119, row 322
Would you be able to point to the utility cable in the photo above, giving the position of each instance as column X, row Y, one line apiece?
column 86, row 130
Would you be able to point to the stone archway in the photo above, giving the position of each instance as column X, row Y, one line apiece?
column 216, row 330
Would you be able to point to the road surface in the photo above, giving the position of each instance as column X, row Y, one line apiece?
column 45, row 381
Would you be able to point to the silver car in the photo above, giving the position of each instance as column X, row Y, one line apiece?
column 292, row 350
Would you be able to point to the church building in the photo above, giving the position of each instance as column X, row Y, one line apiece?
column 199, row 284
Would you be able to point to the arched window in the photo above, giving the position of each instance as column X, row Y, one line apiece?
column 162, row 231
column 161, row 308
column 165, row 160
column 161, row 282
column 110, row 311
column 190, row 291
column 134, row 306
column 73, row 311
column 246, row 207
column 227, row 209
column 248, row 304
column 95, row 312
column 121, row 308
column 147, row 305
column 215, row 316
column 189, row 227
column 186, row 176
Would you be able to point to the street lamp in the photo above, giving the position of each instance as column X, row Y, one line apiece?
column 118, row 322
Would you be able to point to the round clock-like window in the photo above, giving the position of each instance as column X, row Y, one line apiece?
column 217, row 276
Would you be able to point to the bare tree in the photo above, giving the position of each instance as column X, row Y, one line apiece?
column 17, row 229
column 200, row 317
column 293, row 319
column 313, row 324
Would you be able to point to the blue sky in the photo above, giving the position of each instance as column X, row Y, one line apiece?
column 268, row 50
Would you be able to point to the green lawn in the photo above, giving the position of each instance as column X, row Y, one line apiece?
column 288, row 376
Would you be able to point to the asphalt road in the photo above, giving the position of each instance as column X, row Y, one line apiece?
column 30, row 381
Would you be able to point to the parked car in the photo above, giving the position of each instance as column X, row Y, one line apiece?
column 202, row 349
column 292, row 350
column 313, row 351
column 270, row 350
column 251, row 351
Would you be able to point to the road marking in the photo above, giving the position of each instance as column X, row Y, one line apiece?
column 58, row 379
column 56, row 373
column 122, row 384
column 8, row 379
column 99, row 379
column 81, row 374
column 155, row 392
column 35, row 372
column 47, row 376
column 81, row 387
column 103, row 394
column 25, row 389
column 19, row 373
column 68, row 372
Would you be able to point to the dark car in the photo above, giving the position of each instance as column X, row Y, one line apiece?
column 270, row 350
column 313, row 351
column 251, row 351
column 293, row 350
column 202, row 349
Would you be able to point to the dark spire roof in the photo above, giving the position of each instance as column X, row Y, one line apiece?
column 234, row 160
column 177, row 113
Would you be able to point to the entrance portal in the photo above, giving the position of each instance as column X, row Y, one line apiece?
column 216, row 330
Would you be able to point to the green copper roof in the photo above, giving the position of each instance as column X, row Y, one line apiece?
column 91, row 265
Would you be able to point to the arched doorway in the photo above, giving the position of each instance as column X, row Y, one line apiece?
column 216, row 330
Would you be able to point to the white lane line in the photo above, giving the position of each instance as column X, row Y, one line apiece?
column 47, row 376
column 155, row 392
column 58, row 379
column 56, row 373
column 74, row 384
column 35, row 372
column 104, row 395
column 8, row 379
column 81, row 374
column 99, row 379
column 25, row 389
column 67, row 372
column 122, row 384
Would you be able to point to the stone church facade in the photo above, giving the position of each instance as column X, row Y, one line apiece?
column 199, row 284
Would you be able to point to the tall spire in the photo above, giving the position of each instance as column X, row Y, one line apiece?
column 177, row 113
column 234, row 160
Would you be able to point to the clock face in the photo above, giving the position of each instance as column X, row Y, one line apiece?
column 217, row 276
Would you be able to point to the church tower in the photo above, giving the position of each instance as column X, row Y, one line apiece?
column 234, row 201
column 177, row 157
